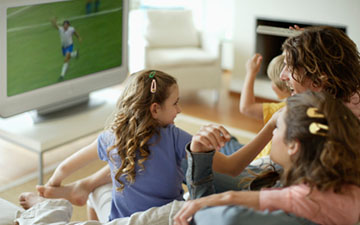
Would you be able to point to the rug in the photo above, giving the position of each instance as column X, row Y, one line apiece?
column 185, row 122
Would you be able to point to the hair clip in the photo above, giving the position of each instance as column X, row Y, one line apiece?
column 153, row 86
column 315, row 128
column 312, row 112
column 152, row 74
column 153, row 82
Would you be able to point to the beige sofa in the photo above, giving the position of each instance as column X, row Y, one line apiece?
column 176, row 47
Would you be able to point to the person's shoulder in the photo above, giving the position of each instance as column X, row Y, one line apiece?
column 171, row 128
column 273, row 106
column 168, row 129
column 352, row 189
column 106, row 136
column 177, row 133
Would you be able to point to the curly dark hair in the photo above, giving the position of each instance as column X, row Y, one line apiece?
column 330, row 59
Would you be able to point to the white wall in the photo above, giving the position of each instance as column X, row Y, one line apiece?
column 214, row 17
column 218, row 20
column 335, row 12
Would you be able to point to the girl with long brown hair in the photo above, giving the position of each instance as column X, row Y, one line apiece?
column 142, row 146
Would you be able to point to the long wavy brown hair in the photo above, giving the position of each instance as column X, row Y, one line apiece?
column 133, row 124
column 323, row 162
column 329, row 59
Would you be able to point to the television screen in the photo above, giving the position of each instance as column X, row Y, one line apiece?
column 56, row 42
column 54, row 53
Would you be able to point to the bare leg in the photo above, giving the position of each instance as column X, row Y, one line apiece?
column 77, row 193
column 28, row 199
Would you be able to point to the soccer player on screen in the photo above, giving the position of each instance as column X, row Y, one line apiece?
column 66, row 32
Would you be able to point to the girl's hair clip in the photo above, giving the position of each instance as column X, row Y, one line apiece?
column 153, row 82
column 318, row 128
column 313, row 112
column 153, row 86
column 152, row 74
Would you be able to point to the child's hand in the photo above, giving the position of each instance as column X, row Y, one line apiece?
column 253, row 65
column 209, row 137
column 296, row 27
column 184, row 215
column 274, row 117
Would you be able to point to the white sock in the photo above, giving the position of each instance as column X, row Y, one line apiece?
column 73, row 54
column 64, row 68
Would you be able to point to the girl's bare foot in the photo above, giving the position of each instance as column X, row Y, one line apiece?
column 77, row 193
column 28, row 199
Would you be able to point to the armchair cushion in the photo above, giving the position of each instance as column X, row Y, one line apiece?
column 178, row 57
column 171, row 28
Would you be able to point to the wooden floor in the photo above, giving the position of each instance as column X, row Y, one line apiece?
column 225, row 111
column 17, row 162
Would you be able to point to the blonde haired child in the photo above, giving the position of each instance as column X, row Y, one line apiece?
column 142, row 147
column 248, row 104
column 316, row 141
column 274, row 69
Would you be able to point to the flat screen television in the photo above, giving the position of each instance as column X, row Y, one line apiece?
column 32, row 52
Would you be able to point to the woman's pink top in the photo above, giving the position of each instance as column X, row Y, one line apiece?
column 319, row 207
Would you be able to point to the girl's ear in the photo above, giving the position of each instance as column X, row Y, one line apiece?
column 154, row 110
column 294, row 147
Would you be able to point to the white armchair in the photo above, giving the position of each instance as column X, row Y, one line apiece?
column 176, row 47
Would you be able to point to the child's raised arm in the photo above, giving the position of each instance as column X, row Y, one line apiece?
column 235, row 163
column 248, row 105
column 212, row 137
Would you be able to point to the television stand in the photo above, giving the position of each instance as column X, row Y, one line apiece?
column 47, row 133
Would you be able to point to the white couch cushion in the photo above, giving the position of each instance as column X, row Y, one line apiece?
column 171, row 28
column 170, row 57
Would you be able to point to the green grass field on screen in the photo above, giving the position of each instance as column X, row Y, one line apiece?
column 34, row 57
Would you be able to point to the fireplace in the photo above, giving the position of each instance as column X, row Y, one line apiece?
column 270, row 34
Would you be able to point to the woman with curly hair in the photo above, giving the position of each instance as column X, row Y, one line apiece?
column 323, row 59
column 142, row 146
